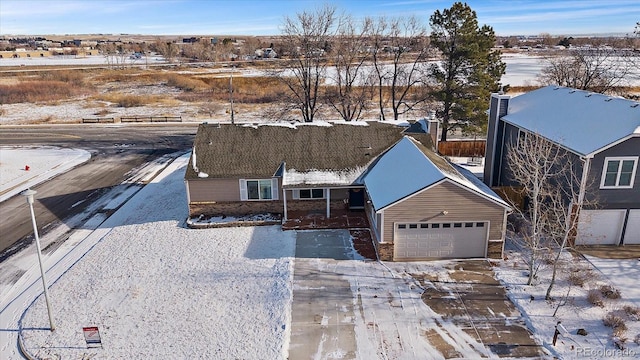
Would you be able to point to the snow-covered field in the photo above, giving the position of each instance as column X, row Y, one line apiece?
column 22, row 167
column 157, row 289
column 70, row 60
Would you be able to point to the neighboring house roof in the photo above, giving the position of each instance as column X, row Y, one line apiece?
column 314, row 155
column 583, row 122
column 409, row 167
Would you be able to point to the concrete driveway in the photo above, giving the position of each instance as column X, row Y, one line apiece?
column 323, row 309
column 347, row 308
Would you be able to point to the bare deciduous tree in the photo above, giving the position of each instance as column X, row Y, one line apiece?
column 168, row 50
column 400, row 46
column 349, row 93
column 555, row 182
column 601, row 69
column 307, row 35
column 538, row 167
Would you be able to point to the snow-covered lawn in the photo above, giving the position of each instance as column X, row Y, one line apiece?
column 157, row 289
column 42, row 163
column 577, row 312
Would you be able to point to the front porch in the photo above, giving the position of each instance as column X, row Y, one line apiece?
column 339, row 219
column 354, row 220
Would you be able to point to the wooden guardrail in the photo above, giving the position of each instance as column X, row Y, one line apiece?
column 135, row 118
column 98, row 120
column 166, row 118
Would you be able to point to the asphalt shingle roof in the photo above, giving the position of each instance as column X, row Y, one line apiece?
column 241, row 151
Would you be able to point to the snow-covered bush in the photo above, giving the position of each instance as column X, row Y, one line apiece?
column 594, row 297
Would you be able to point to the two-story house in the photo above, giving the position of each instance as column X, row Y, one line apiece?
column 601, row 134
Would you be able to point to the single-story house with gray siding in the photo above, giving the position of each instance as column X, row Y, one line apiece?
column 419, row 205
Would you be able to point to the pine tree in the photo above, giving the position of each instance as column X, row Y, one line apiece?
column 469, row 71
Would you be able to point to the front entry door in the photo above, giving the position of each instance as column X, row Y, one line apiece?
column 356, row 198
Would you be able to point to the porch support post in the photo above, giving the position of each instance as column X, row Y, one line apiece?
column 284, row 202
column 328, row 192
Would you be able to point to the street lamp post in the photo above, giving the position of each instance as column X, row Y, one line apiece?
column 30, row 194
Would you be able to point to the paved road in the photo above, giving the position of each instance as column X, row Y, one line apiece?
column 115, row 149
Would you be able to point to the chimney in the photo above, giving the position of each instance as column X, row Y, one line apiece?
column 498, row 107
column 433, row 128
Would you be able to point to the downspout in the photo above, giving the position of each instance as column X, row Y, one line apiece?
column 284, row 202
column 328, row 191
column 581, row 192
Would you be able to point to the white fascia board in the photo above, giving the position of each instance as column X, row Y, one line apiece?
column 592, row 154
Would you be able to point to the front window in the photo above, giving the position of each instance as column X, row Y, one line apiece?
column 312, row 194
column 619, row 172
column 259, row 190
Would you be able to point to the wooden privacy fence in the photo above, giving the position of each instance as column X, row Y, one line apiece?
column 462, row 148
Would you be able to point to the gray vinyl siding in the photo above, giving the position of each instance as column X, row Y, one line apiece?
column 213, row 190
column 616, row 198
column 461, row 205
column 493, row 150
column 511, row 137
column 501, row 172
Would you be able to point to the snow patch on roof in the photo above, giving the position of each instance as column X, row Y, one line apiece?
column 281, row 124
column 424, row 123
column 316, row 177
column 194, row 164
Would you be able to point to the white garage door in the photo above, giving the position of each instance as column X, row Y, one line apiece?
column 415, row 241
column 632, row 234
column 600, row 227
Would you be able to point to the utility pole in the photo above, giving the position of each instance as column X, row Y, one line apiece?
column 231, row 92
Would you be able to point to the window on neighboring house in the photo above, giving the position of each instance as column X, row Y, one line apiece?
column 522, row 137
column 259, row 189
column 619, row 172
column 311, row 194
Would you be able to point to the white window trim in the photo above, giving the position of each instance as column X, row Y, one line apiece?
column 619, row 158
column 244, row 193
column 296, row 194
column 522, row 136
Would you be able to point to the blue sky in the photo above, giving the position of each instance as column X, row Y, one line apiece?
column 264, row 17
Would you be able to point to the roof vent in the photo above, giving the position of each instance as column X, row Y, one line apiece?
column 635, row 105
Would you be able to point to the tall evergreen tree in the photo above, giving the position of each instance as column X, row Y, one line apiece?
column 469, row 70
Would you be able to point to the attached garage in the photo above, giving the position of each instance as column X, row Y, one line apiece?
column 419, row 241
column 632, row 233
column 600, row 227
